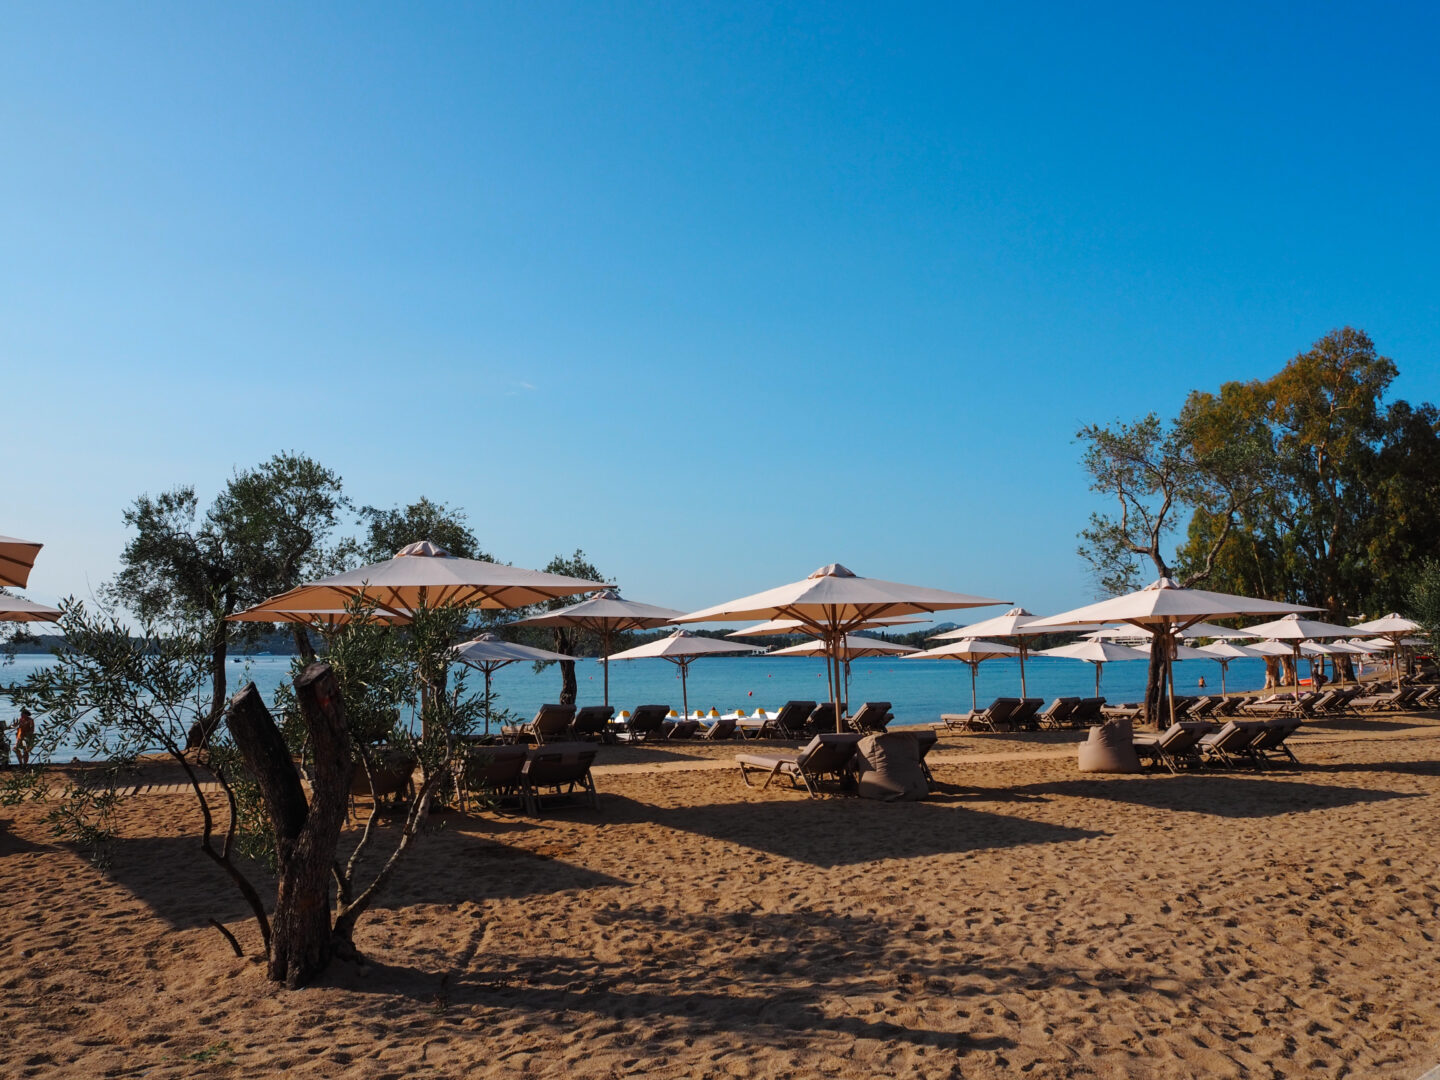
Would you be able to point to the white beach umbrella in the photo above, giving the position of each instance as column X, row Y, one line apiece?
column 426, row 574
column 1225, row 651
column 326, row 621
column 1122, row 634
column 1098, row 653
column 604, row 614
column 835, row 601
column 1015, row 624
column 16, row 609
column 1220, row 633
column 681, row 648
column 780, row 627
column 853, row 647
column 489, row 654
column 1393, row 627
column 17, row 557
column 969, row 652
column 1294, row 629
column 1166, row 606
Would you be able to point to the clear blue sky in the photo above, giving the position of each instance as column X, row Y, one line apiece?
column 717, row 293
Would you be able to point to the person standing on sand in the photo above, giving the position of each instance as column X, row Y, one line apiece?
column 4, row 746
column 24, row 736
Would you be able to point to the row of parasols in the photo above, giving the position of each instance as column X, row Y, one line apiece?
column 829, row 605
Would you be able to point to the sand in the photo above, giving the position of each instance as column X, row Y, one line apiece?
column 1026, row 921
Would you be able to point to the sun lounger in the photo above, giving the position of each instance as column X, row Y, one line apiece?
column 1271, row 741
column 789, row 722
column 1127, row 711
column 550, row 723
column 1395, row 701
column 871, row 717
column 1059, row 712
column 990, row 718
column 493, row 772
column 825, row 757
column 1175, row 746
column 592, row 722
column 1230, row 743
column 927, row 740
column 1203, row 708
column 646, row 722
column 559, row 771
column 681, row 729
column 724, row 728
column 1024, row 718
column 1427, row 699
column 1089, row 711
column 822, row 719
column 392, row 773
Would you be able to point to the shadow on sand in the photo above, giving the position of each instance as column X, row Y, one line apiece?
column 172, row 877
column 1219, row 796
column 842, row 832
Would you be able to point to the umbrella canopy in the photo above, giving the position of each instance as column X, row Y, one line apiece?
column 1117, row 633
column 1294, row 628
column 1225, row 651
column 777, row 627
column 1165, row 604
column 1392, row 624
column 603, row 614
column 834, row 601
column 1271, row 648
column 1015, row 623
column 970, row 652
column 324, row 621
column 1098, row 653
column 681, row 648
column 1210, row 630
column 852, row 647
column 490, row 654
column 426, row 574
column 16, row 559
column 15, row 609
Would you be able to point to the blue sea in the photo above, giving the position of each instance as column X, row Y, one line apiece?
column 918, row 690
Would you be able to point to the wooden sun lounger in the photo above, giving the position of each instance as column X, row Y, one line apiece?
column 592, row 722
column 1177, row 745
column 871, row 717
column 789, row 722
column 550, row 723
column 1230, row 743
column 1059, row 712
column 724, row 728
column 646, row 722
column 1271, row 742
column 559, row 771
column 989, row 718
column 825, row 757
column 493, row 772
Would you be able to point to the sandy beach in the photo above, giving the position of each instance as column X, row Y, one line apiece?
column 1026, row 920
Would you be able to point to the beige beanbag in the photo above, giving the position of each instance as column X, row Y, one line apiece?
column 888, row 768
column 1110, row 748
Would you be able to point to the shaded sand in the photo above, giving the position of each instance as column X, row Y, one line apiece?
column 1026, row 921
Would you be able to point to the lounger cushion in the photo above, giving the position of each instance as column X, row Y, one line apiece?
column 888, row 768
column 1110, row 748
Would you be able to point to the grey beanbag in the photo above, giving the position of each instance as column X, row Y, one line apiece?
column 888, row 768
column 1110, row 748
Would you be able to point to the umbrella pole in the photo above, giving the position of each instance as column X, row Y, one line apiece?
column 605, row 663
column 835, row 651
column 1170, row 679
column 1296, row 647
column 487, row 701
column 1022, row 668
column 1097, row 679
column 1223, row 667
column 684, row 690
column 974, row 703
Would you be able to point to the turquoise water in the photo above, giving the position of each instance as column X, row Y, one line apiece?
column 918, row 690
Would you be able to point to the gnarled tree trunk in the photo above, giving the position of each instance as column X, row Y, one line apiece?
column 306, row 836
column 1157, row 710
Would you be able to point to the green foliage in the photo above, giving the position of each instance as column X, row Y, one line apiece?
column 1349, row 487
column 115, row 696
column 1424, row 598
column 1157, row 472
column 387, row 531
